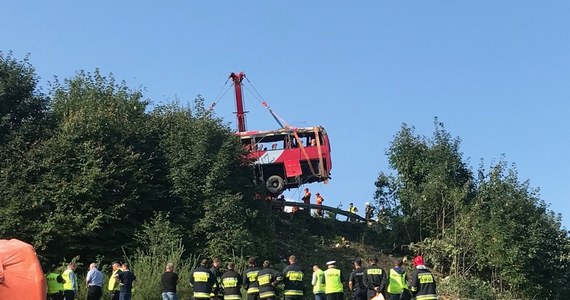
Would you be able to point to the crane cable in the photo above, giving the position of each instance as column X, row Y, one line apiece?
column 304, row 152
column 285, row 125
column 220, row 95
column 263, row 103
column 321, row 164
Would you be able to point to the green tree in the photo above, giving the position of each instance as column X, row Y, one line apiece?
column 432, row 182
column 211, row 182
column 90, row 185
column 494, row 228
column 21, row 104
column 520, row 246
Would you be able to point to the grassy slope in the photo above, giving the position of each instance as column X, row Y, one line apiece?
column 317, row 240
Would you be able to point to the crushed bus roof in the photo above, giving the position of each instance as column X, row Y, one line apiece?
column 278, row 132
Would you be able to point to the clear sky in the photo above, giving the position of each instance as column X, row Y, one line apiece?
column 497, row 73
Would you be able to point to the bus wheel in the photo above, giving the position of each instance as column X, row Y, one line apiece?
column 275, row 184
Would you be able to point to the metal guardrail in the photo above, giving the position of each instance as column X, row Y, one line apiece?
column 338, row 211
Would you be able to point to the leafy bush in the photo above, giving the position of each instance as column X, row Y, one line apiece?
column 162, row 244
column 465, row 287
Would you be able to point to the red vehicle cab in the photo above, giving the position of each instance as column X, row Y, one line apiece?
column 289, row 157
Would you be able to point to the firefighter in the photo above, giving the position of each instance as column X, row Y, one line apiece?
column 268, row 279
column 250, row 283
column 397, row 281
column 293, row 280
column 318, row 283
column 54, row 285
column 320, row 201
column 334, row 288
column 356, row 281
column 231, row 282
column 422, row 283
column 374, row 278
column 202, row 280
column 217, row 290
column 307, row 197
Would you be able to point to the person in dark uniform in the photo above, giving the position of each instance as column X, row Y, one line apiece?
column 422, row 283
column 268, row 279
column 293, row 280
column 231, row 282
column 374, row 278
column 126, row 280
column 356, row 281
column 217, row 290
column 250, row 283
column 202, row 280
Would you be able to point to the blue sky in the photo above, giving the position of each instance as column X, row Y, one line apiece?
column 497, row 73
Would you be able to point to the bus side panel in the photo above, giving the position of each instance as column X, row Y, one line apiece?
column 292, row 168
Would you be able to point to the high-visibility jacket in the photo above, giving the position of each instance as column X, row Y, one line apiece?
column 70, row 283
column 333, row 281
column 319, row 282
column 54, row 285
column 231, row 283
column 202, row 280
column 396, row 281
column 250, row 280
column 293, row 280
column 113, row 284
column 268, row 279
column 422, row 284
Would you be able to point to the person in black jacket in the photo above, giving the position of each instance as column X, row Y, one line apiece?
column 250, row 283
column 169, row 280
column 231, row 283
column 356, row 281
column 293, row 280
column 422, row 283
column 202, row 280
column 374, row 278
column 268, row 279
column 217, row 290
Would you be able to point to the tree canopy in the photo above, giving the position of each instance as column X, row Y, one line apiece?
column 492, row 227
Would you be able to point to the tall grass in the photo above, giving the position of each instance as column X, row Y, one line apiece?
column 148, row 266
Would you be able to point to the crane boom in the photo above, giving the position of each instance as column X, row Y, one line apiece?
column 237, row 79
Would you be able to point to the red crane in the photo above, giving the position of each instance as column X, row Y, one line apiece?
column 238, row 78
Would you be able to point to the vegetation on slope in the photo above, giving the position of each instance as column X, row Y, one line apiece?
column 85, row 168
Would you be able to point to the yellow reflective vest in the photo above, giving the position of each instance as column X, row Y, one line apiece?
column 333, row 281
column 53, row 286
column 69, row 283
column 319, row 279
column 397, row 282
column 114, row 282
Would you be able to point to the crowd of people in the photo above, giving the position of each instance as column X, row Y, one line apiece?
column 260, row 283
column 209, row 282
column 65, row 285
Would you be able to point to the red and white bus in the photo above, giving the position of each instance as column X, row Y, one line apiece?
column 284, row 158
column 289, row 157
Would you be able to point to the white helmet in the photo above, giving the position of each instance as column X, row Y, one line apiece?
column 367, row 203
